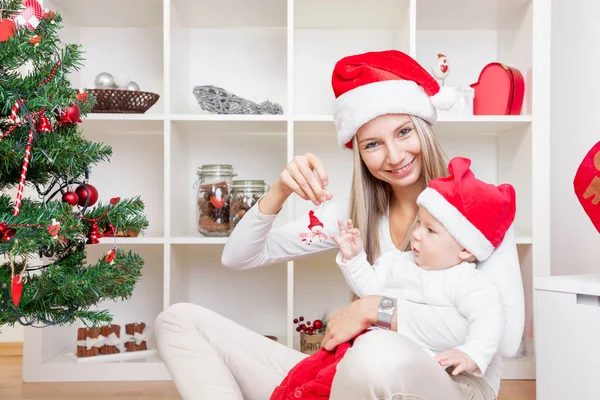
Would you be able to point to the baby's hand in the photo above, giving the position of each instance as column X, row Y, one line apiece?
column 458, row 359
column 350, row 242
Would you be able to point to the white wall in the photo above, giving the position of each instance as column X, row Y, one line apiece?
column 574, row 130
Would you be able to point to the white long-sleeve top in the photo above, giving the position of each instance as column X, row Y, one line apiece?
column 254, row 243
column 395, row 274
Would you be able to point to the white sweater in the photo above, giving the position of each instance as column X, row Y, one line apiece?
column 395, row 274
column 253, row 244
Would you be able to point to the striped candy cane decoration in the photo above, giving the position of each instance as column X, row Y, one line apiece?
column 23, row 173
column 14, row 111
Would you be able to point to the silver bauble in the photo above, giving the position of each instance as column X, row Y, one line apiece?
column 104, row 80
column 133, row 86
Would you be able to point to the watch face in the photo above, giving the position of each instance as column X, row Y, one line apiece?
column 386, row 304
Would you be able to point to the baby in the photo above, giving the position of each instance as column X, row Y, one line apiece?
column 460, row 220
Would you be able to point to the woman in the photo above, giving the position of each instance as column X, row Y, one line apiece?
column 385, row 104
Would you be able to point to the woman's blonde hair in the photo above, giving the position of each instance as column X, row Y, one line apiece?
column 370, row 196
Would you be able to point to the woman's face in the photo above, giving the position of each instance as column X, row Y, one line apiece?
column 390, row 148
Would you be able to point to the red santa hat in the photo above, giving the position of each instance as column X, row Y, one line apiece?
column 314, row 221
column 386, row 82
column 475, row 213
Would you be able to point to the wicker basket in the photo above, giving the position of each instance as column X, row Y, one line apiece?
column 122, row 101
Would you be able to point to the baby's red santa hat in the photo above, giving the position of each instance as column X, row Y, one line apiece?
column 475, row 213
column 314, row 221
column 385, row 82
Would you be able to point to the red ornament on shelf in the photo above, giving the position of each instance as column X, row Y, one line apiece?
column 71, row 198
column 499, row 91
column 82, row 194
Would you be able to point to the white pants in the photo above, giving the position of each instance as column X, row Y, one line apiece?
column 212, row 357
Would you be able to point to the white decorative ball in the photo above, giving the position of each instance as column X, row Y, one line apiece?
column 122, row 81
column 104, row 80
column 133, row 86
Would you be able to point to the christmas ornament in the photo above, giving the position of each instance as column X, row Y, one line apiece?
column 94, row 234
column 31, row 15
column 71, row 198
column 110, row 231
column 587, row 185
column 104, row 80
column 54, row 228
column 133, row 86
column 6, row 233
column 72, row 115
column 16, row 289
column 82, row 194
column 44, row 124
column 82, row 96
column 110, row 256
column 35, row 40
column 48, row 14
column 317, row 233
column 24, row 168
column 7, row 29
column 122, row 80
column 440, row 69
column 498, row 91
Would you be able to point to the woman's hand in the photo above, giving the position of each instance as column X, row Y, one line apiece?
column 350, row 241
column 347, row 323
column 299, row 177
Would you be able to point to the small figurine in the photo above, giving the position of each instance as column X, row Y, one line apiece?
column 440, row 70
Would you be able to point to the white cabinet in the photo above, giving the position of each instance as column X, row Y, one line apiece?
column 567, row 323
column 283, row 51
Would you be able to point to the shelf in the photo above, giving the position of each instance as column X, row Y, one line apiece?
column 228, row 117
column 469, row 14
column 124, row 117
column 107, row 125
column 198, row 240
column 236, row 14
column 146, row 356
column 446, row 125
column 110, row 13
column 132, row 240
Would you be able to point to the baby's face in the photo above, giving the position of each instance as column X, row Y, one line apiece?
column 433, row 247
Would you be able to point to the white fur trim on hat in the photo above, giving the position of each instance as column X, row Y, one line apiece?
column 358, row 106
column 456, row 224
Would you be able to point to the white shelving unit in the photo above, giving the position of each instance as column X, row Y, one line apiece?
column 283, row 51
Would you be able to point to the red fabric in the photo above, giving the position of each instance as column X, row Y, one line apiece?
column 311, row 378
column 361, row 69
column 314, row 221
column 490, row 208
column 587, row 185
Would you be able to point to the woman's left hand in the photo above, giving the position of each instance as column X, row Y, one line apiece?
column 347, row 323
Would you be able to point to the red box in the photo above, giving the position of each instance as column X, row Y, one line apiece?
column 499, row 91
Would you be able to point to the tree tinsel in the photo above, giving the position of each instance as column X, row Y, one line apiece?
column 67, row 289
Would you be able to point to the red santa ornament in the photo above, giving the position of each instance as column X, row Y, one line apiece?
column 587, row 185
column 316, row 228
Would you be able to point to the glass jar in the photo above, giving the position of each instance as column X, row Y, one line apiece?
column 212, row 198
column 244, row 194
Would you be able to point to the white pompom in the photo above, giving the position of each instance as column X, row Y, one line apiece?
column 445, row 99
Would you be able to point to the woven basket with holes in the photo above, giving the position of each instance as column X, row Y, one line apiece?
column 122, row 101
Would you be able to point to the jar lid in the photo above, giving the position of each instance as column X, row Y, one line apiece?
column 247, row 183
column 215, row 168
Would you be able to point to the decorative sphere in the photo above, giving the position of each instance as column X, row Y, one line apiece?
column 82, row 194
column 122, row 81
column 71, row 198
column 133, row 86
column 104, row 80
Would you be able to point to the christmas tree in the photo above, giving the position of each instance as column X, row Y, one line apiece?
column 42, row 149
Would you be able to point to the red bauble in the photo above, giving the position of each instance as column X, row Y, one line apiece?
column 83, row 194
column 7, row 29
column 71, row 115
column 71, row 198
column 318, row 324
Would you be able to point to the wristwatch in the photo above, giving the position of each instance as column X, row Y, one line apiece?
column 385, row 311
